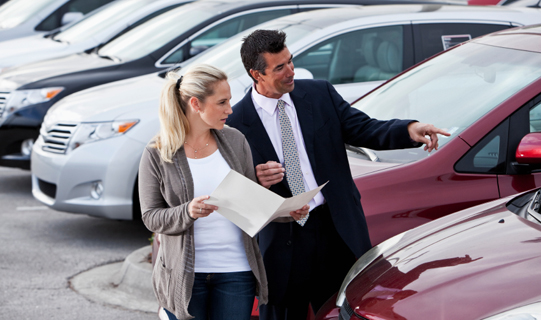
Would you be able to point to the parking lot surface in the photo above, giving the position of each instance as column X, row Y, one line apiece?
column 42, row 249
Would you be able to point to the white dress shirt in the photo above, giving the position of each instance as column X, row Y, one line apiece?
column 268, row 113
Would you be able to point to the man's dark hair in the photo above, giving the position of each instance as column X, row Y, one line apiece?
column 257, row 43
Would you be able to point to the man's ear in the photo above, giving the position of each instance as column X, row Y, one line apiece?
column 255, row 74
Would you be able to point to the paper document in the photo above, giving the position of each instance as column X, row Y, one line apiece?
column 251, row 206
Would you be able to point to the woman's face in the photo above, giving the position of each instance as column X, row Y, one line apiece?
column 216, row 108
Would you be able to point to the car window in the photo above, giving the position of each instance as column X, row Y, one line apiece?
column 229, row 58
column 488, row 155
column 14, row 13
column 365, row 55
column 221, row 32
column 100, row 20
column 535, row 118
column 431, row 38
column 54, row 20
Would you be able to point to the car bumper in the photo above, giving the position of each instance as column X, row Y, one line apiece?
column 11, row 140
column 67, row 182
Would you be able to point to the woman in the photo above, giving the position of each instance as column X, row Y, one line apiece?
column 206, row 267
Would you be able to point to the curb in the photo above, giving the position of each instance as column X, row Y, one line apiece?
column 127, row 284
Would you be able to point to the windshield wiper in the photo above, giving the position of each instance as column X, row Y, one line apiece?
column 371, row 155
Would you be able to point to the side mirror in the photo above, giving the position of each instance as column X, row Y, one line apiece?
column 70, row 17
column 529, row 149
column 301, row 73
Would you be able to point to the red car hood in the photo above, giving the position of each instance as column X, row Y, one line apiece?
column 360, row 167
column 478, row 266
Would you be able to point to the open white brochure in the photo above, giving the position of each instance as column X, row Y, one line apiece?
column 251, row 206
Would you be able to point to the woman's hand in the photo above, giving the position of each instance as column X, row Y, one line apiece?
column 198, row 209
column 301, row 213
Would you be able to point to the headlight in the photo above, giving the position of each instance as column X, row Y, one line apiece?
column 91, row 132
column 529, row 312
column 363, row 262
column 22, row 98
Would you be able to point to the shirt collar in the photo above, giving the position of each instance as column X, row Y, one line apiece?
column 269, row 104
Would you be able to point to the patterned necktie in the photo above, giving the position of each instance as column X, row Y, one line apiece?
column 291, row 156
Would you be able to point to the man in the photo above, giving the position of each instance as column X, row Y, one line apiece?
column 304, row 125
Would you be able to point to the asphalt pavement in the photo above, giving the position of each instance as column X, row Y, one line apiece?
column 57, row 265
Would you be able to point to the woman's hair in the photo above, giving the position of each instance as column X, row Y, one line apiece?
column 199, row 82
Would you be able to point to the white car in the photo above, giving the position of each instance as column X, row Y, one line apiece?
column 20, row 18
column 101, row 132
column 93, row 30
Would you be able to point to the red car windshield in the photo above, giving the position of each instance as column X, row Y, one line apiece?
column 452, row 91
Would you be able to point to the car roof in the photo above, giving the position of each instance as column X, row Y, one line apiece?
column 368, row 2
column 524, row 38
column 321, row 24
column 358, row 15
column 222, row 5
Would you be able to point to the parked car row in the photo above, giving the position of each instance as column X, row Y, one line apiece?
column 355, row 49
column 29, row 90
column 81, row 122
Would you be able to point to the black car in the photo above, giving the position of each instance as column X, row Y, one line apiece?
column 28, row 91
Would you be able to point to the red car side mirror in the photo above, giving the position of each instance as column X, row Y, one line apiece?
column 529, row 149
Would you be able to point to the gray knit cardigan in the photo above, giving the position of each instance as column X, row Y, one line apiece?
column 165, row 191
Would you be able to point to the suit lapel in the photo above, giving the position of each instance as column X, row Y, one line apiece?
column 306, row 120
column 255, row 131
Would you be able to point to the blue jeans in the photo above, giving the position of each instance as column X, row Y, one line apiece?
column 222, row 296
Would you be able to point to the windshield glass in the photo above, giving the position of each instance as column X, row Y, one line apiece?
column 451, row 91
column 155, row 33
column 100, row 20
column 229, row 59
column 15, row 12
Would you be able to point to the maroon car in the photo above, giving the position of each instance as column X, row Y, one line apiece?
column 479, row 263
column 483, row 262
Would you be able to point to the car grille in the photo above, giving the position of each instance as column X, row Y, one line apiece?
column 57, row 137
column 47, row 188
column 4, row 95
column 345, row 311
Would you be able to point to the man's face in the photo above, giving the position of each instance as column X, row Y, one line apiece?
column 278, row 77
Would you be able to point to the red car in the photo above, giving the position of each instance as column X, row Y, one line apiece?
column 479, row 263
column 486, row 93
column 482, row 262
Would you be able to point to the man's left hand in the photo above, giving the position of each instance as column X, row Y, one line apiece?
column 418, row 132
column 301, row 213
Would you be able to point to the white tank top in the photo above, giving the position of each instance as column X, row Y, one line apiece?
column 218, row 241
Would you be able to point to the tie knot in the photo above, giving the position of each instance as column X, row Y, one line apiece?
column 281, row 104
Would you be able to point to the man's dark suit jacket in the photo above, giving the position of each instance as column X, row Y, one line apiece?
column 327, row 122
